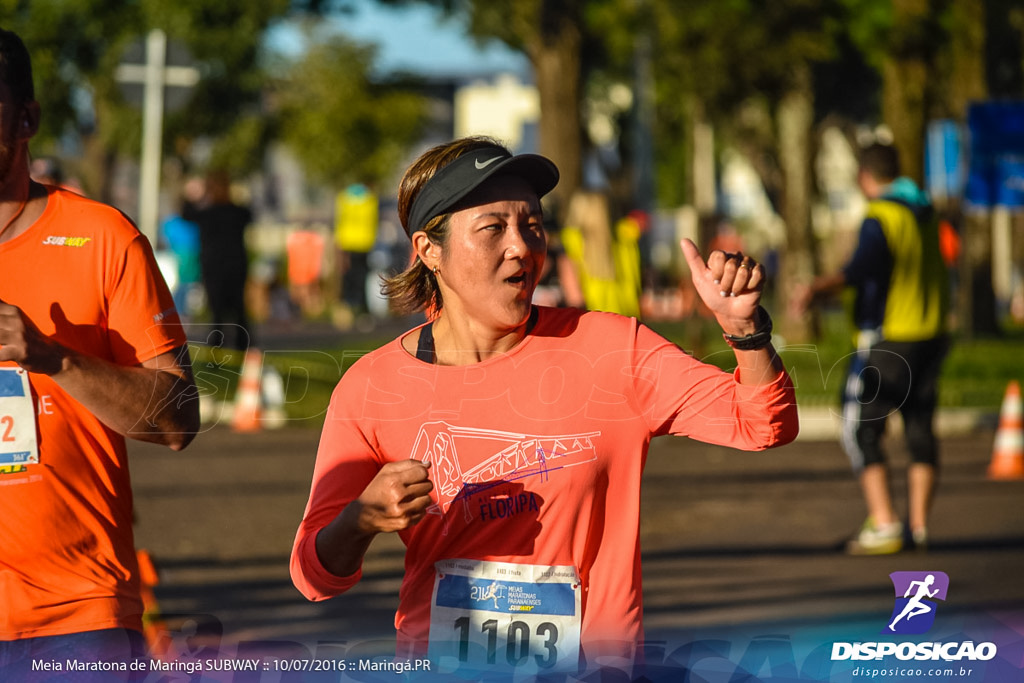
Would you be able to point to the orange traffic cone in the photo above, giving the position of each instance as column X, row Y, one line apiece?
column 247, row 416
column 1008, row 451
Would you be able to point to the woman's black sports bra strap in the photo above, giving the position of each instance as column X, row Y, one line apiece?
column 425, row 345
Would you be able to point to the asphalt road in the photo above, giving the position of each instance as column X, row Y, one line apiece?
column 746, row 544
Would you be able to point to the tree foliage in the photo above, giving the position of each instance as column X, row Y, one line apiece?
column 557, row 38
column 76, row 46
column 715, row 60
column 341, row 125
column 225, row 38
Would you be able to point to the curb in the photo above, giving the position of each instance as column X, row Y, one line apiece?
column 823, row 423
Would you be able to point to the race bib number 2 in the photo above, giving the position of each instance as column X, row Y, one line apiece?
column 500, row 615
column 18, row 444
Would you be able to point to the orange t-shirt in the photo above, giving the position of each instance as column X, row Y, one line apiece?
column 85, row 276
column 305, row 256
column 536, row 456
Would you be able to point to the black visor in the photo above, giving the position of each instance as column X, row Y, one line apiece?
column 454, row 182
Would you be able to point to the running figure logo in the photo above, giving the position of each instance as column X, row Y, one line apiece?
column 490, row 592
column 914, row 611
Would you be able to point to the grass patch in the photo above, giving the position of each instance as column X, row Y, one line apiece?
column 975, row 374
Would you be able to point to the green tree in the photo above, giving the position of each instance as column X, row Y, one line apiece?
column 898, row 62
column 343, row 126
column 901, row 38
column 719, row 62
column 555, row 36
column 935, row 58
column 712, row 58
column 226, row 40
column 76, row 46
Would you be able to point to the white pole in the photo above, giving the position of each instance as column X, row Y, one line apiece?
column 704, row 191
column 1002, row 253
column 152, row 133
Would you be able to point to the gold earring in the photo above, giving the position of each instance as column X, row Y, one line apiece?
column 436, row 271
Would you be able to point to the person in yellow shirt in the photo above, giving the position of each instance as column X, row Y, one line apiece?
column 355, row 233
column 902, row 288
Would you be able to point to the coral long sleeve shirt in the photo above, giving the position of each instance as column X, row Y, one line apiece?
column 537, row 457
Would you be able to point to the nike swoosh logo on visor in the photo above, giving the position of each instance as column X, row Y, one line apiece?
column 481, row 166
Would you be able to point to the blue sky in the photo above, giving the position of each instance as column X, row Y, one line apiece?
column 416, row 39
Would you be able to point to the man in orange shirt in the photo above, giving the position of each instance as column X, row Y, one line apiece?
column 91, row 351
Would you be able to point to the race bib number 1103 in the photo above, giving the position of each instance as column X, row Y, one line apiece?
column 495, row 615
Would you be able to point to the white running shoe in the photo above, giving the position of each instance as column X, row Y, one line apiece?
column 877, row 540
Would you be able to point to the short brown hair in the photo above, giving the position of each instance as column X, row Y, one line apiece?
column 881, row 162
column 16, row 67
column 415, row 289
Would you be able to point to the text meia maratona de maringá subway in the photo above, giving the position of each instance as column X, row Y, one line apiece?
column 186, row 666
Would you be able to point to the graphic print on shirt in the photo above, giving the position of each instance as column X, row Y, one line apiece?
column 467, row 461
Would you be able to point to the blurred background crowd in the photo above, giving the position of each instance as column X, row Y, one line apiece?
column 733, row 123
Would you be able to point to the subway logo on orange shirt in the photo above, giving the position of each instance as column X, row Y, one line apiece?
column 59, row 241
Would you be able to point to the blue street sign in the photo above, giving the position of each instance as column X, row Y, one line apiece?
column 996, row 171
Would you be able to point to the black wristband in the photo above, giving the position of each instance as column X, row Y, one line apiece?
column 760, row 338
